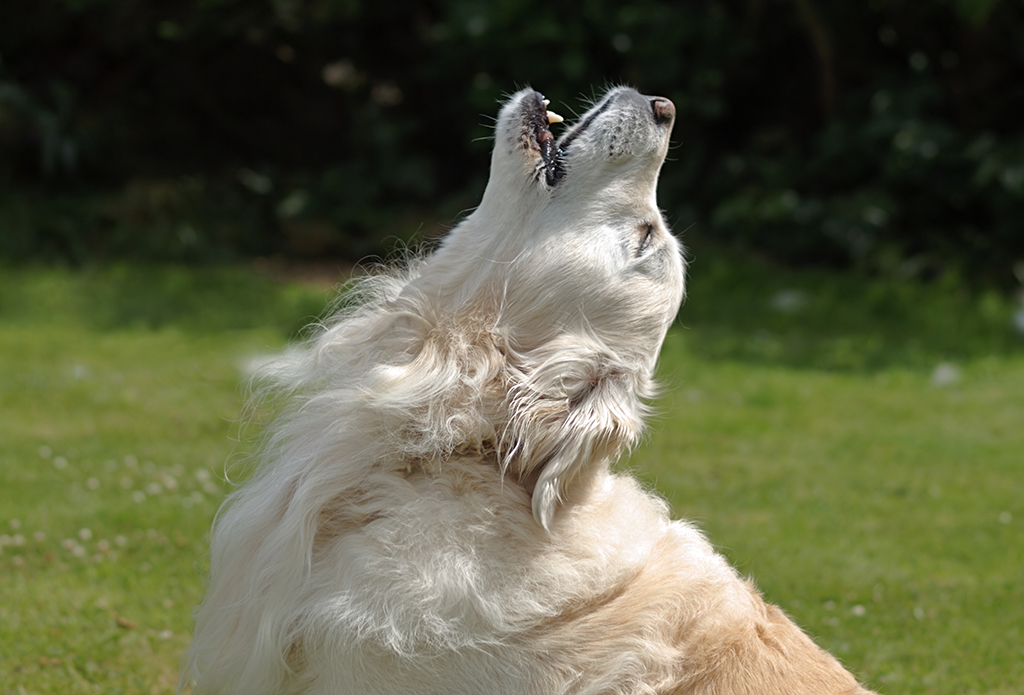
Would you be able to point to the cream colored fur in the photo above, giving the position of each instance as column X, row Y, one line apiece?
column 434, row 513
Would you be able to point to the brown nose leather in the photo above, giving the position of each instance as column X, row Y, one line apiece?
column 664, row 110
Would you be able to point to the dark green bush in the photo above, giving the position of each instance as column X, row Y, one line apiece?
column 883, row 135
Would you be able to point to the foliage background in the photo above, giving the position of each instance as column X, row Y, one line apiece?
column 881, row 135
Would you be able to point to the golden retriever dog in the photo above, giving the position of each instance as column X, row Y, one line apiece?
column 434, row 512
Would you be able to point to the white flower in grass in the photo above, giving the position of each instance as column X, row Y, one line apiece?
column 120, row 541
column 78, row 551
column 945, row 374
column 39, row 536
column 103, row 545
column 17, row 539
column 789, row 301
column 85, row 534
column 154, row 489
column 859, row 610
column 92, row 483
column 60, row 463
column 15, row 524
column 45, row 451
column 139, row 496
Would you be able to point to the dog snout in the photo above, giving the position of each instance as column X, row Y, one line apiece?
column 664, row 110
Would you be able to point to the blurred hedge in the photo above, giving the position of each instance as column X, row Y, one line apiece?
column 884, row 135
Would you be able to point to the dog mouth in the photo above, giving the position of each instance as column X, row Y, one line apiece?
column 552, row 155
column 553, row 152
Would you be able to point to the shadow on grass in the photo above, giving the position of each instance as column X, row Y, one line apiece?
column 205, row 299
column 746, row 310
column 737, row 309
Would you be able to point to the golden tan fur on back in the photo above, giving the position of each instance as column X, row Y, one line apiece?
column 706, row 646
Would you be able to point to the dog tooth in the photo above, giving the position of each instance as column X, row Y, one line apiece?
column 554, row 117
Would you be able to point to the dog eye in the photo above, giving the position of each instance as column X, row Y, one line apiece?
column 646, row 234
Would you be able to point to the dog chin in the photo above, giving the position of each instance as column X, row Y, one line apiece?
column 434, row 510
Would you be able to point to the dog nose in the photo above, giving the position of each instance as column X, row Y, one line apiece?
column 664, row 110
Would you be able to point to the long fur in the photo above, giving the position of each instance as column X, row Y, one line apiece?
column 434, row 511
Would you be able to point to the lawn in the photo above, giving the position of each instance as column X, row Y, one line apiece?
column 854, row 445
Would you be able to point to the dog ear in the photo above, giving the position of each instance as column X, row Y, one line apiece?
column 573, row 406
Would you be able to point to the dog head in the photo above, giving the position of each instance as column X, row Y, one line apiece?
column 568, row 236
column 571, row 262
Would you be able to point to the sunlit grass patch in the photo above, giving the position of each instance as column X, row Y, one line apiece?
column 114, row 450
column 881, row 510
column 116, row 426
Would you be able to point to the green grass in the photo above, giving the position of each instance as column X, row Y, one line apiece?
column 119, row 394
column 875, row 498
column 882, row 511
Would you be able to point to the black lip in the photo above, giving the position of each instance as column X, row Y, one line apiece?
column 551, row 153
